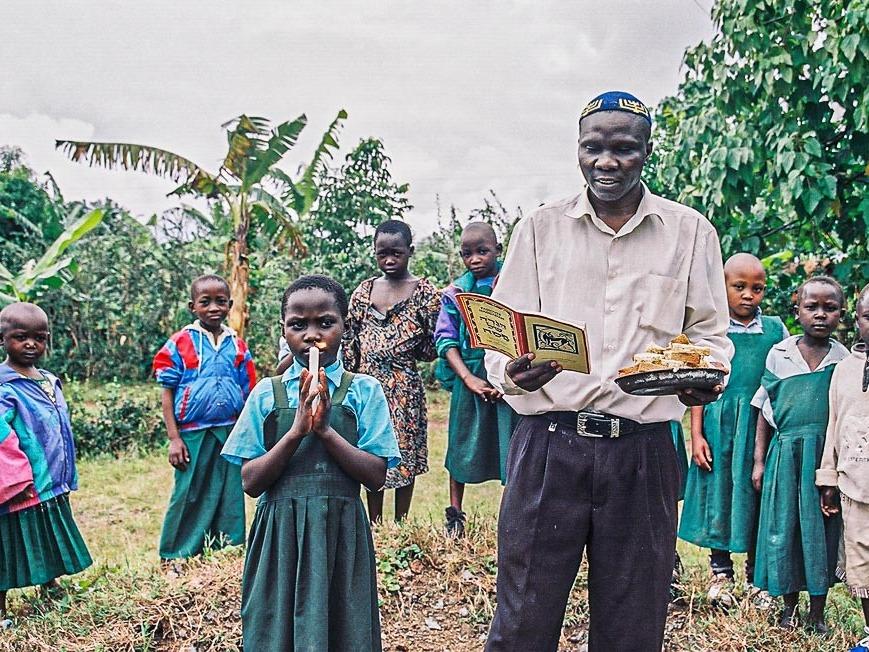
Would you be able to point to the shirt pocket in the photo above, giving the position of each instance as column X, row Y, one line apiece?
column 663, row 304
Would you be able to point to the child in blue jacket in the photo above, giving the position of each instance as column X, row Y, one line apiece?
column 206, row 372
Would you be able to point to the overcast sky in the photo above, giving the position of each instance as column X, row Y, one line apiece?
column 466, row 96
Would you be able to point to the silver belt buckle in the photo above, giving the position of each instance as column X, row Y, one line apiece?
column 582, row 419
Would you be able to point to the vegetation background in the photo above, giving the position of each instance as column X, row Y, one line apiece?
column 767, row 136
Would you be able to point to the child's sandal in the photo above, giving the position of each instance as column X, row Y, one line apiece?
column 788, row 619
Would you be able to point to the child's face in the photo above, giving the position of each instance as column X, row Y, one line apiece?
column 392, row 254
column 25, row 340
column 746, row 285
column 863, row 319
column 312, row 318
column 480, row 251
column 819, row 310
column 210, row 304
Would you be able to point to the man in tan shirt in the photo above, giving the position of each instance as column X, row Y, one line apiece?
column 591, row 467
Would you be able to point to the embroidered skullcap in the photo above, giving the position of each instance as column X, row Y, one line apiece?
column 617, row 101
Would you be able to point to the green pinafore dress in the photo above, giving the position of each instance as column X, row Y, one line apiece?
column 720, row 509
column 796, row 545
column 309, row 575
column 479, row 432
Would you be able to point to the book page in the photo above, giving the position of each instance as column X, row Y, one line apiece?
column 491, row 325
column 550, row 339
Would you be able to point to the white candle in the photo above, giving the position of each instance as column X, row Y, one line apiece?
column 314, row 369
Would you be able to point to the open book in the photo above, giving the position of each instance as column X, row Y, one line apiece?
column 495, row 326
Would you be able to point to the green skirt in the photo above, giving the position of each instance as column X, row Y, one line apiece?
column 720, row 509
column 207, row 503
column 39, row 544
column 797, row 546
column 309, row 577
column 479, row 433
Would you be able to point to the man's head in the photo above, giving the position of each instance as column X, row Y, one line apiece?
column 745, row 279
column 480, row 249
column 615, row 132
column 862, row 316
column 23, row 333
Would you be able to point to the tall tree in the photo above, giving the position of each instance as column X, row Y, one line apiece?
column 767, row 135
column 353, row 201
column 257, row 196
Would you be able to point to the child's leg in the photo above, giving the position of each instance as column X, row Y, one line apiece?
column 864, row 602
column 788, row 614
column 721, row 563
column 375, row 506
column 816, row 612
column 457, row 493
column 3, row 603
column 403, row 497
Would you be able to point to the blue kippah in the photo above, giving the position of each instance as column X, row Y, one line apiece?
column 617, row 101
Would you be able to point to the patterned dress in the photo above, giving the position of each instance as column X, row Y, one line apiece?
column 388, row 347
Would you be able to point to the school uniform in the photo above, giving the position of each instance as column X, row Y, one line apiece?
column 845, row 465
column 309, row 576
column 720, row 510
column 479, row 431
column 796, row 545
column 573, row 486
column 211, row 379
column 39, row 539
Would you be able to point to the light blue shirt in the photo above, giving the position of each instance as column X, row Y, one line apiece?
column 365, row 398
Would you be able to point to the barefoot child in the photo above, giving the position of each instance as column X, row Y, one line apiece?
column 206, row 372
column 796, row 544
column 480, row 422
column 845, row 464
column 720, row 510
column 39, row 540
column 309, row 575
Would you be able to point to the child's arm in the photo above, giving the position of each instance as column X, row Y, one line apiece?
column 827, row 477
column 360, row 465
column 761, row 443
column 476, row 385
column 16, row 473
column 179, row 456
column 700, row 451
column 260, row 473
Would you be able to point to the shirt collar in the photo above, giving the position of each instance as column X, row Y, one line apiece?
column 583, row 209
column 333, row 372
column 755, row 320
column 225, row 331
column 792, row 352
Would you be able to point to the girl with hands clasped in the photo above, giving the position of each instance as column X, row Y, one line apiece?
column 305, row 445
column 796, row 545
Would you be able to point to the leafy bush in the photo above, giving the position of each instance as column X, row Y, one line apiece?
column 114, row 418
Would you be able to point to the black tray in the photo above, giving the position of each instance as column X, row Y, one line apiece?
column 668, row 381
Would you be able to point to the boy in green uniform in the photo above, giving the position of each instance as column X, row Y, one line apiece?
column 480, row 422
column 206, row 372
column 720, row 510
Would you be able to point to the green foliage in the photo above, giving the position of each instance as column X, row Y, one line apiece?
column 767, row 136
column 114, row 418
column 52, row 269
column 258, row 203
column 353, row 201
column 130, row 293
column 30, row 217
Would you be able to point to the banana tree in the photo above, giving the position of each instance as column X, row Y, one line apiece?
column 258, row 196
column 52, row 269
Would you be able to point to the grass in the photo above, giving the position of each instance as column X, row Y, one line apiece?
column 436, row 594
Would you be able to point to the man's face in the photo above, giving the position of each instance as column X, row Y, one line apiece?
column 613, row 147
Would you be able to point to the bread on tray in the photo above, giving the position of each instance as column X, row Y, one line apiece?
column 679, row 354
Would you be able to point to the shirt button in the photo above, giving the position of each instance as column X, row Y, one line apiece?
column 611, row 309
column 611, row 347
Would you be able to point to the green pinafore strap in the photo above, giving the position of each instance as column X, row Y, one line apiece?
column 799, row 403
column 311, row 471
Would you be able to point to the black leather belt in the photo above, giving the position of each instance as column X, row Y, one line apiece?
column 598, row 424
